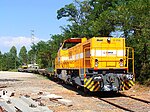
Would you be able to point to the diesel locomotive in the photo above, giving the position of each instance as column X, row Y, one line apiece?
column 97, row 64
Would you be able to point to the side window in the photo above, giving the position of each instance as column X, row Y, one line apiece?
column 68, row 45
column 64, row 46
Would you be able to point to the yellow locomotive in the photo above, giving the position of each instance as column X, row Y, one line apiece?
column 97, row 64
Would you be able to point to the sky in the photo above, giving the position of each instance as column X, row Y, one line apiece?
column 18, row 18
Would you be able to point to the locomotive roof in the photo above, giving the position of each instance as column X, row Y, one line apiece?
column 73, row 40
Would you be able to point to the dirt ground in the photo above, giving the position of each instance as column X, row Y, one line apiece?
column 35, row 85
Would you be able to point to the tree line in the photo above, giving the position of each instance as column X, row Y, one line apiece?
column 10, row 60
column 89, row 18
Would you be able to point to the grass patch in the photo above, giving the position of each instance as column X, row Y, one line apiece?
column 147, row 82
column 13, row 70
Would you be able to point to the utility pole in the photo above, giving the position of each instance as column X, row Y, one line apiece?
column 34, row 50
column 32, row 36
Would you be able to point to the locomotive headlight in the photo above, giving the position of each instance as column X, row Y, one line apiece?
column 96, row 62
column 108, row 39
column 121, row 62
column 129, row 76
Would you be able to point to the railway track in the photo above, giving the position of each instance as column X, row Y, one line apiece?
column 128, row 103
column 120, row 101
column 138, row 99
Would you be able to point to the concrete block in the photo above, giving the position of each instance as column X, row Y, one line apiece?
column 6, row 93
column 65, row 102
column 29, row 101
column 7, row 107
column 51, row 97
column 21, row 105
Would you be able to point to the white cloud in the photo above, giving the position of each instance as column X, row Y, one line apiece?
column 7, row 42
